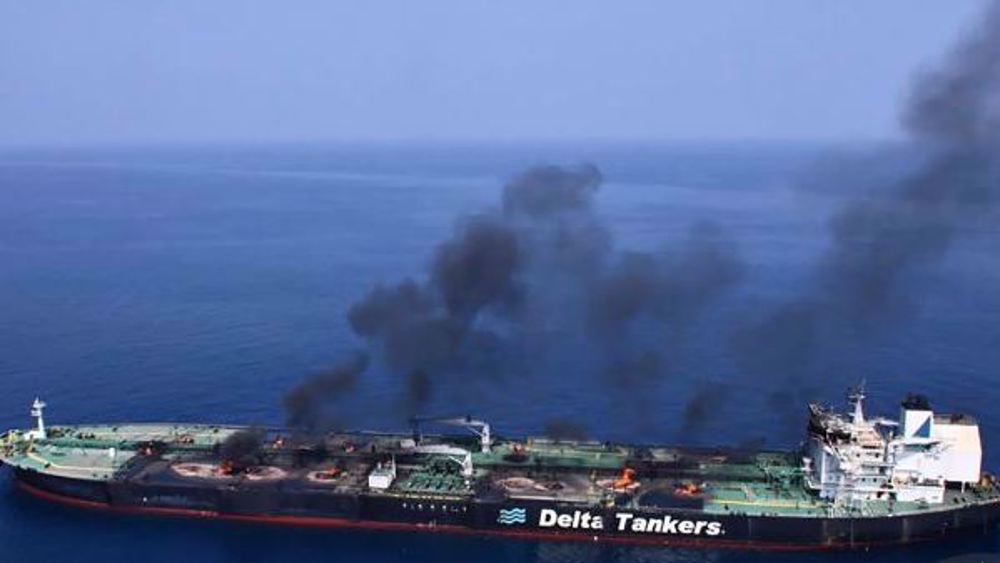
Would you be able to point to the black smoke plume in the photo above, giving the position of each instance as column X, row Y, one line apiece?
column 703, row 405
column 242, row 448
column 882, row 242
column 308, row 404
column 562, row 429
column 518, row 284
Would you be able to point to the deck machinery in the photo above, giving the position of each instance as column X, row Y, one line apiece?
column 857, row 481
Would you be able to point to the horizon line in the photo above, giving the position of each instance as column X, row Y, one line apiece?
column 444, row 143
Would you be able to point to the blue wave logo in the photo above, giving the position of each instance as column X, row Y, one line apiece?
column 511, row 516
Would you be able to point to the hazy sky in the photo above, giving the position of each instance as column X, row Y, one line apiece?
column 134, row 71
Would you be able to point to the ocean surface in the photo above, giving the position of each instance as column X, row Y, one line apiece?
column 202, row 283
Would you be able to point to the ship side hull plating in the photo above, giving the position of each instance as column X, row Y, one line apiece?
column 527, row 519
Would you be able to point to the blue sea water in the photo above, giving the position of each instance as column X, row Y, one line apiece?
column 201, row 283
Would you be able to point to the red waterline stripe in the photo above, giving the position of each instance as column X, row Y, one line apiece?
column 330, row 522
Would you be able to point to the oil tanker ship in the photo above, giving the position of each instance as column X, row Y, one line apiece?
column 855, row 482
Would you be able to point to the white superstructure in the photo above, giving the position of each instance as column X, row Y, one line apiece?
column 851, row 459
column 382, row 476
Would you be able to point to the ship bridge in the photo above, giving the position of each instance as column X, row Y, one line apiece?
column 851, row 460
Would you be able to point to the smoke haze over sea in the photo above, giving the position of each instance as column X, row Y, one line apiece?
column 537, row 283
column 197, row 284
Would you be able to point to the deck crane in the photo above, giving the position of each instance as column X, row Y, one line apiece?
column 478, row 427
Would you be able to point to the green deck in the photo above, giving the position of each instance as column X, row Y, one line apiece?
column 97, row 452
column 553, row 454
column 760, row 484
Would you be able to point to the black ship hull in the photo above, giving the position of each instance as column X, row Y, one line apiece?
column 524, row 519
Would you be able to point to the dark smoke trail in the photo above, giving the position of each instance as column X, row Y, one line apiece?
column 562, row 429
column 549, row 190
column 515, row 285
column 671, row 288
column 241, row 448
column 882, row 243
column 307, row 404
column 703, row 406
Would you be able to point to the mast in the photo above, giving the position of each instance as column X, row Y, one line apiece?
column 857, row 398
column 36, row 412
